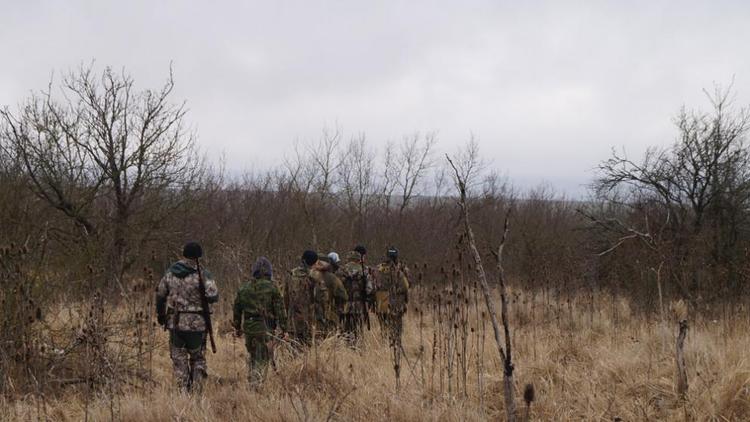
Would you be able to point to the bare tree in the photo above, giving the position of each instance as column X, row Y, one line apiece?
column 710, row 159
column 469, row 164
column 405, row 166
column 326, row 161
column 356, row 173
column 389, row 176
column 694, row 191
column 312, row 173
column 103, row 140
column 42, row 137
column 412, row 162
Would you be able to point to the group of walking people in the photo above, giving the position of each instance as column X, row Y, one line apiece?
column 323, row 296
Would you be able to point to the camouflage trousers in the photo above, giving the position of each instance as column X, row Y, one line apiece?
column 352, row 326
column 186, row 348
column 301, row 331
column 384, row 322
column 392, row 326
column 258, row 357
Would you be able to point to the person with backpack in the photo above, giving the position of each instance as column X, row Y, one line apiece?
column 358, row 283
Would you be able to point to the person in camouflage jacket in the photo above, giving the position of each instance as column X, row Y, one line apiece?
column 359, row 287
column 299, row 294
column 391, row 295
column 259, row 314
column 179, row 310
column 330, row 294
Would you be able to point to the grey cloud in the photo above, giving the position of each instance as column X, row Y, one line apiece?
column 548, row 87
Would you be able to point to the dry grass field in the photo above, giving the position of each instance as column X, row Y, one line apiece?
column 597, row 363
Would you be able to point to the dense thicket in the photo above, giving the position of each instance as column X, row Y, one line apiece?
column 683, row 209
column 105, row 178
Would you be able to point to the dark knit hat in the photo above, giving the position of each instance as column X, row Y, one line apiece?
column 309, row 257
column 360, row 249
column 192, row 250
column 262, row 268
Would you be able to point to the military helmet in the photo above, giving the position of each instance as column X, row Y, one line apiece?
column 192, row 250
column 360, row 249
column 392, row 253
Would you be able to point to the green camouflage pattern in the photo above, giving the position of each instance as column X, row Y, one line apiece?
column 258, row 311
column 259, row 355
column 258, row 308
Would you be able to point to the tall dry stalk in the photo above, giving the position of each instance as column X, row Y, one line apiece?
column 682, row 380
column 505, row 353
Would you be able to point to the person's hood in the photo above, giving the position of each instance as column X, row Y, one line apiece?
column 181, row 269
column 322, row 265
column 262, row 268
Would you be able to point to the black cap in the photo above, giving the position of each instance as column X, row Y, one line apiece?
column 192, row 250
column 361, row 249
column 309, row 257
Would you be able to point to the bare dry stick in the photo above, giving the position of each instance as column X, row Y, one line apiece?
column 510, row 406
column 507, row 361
column 682, row 381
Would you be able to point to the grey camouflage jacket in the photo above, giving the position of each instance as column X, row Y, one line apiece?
column 179, row 287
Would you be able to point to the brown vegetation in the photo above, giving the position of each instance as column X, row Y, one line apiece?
column 616, row 364
column 99, row 189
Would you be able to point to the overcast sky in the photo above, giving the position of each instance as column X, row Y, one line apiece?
column 547, row 88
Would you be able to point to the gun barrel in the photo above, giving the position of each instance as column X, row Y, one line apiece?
column 205, row 307
column 363, row 293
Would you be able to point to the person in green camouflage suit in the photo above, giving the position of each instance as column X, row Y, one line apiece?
column 179, row 310
column 299, row 297
column 259, row 314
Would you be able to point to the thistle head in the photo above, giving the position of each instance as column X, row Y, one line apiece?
column 529, row 394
